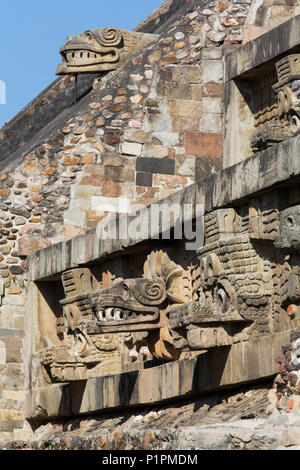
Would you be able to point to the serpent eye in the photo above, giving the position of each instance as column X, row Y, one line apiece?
column 223, row 299
column 224, row 296
column 88, row 35
column 125, row 291
column 290, row 221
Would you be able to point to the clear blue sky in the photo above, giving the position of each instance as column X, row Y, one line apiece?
column 32, row 31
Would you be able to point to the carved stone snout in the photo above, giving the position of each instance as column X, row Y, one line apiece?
column 289, row 230
column 100, row 50
column 129, row 303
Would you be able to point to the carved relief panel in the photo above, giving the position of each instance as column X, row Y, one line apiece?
column 276, row 103
column 243, row 283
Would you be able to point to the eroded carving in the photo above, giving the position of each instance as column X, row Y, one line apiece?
column 277, row 103
column 100, row 50
column 244, row 283
column 289, row 234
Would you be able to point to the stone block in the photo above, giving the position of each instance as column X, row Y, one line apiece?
column 117, row 189
column 6, row 318
column 155, row 151
column 119, row 174
column 13, row 350
column 112, row 160
column 18, row 322
column 92, row 179
column 182, row 124
column 131, row 148
column 212, row 105
column 13, row 300
column 14, row 395
column 178, row 92
column 211, row 53
column 251, row 32
column 157, row 122
column 79, row 205
column 212, row 123
column 168, row 139
column 146, row 192
column 212, row 71
column 187, row 74
column 8, row 425
column 13, row 378
column 155, row 165
column 204, row 144
column 138, row 136
column 27, row 245
column 185, row 108
column 203, row 438
column 143, row 179
column 197, row 92
column 84, row 191
column 173, row 182
column 213, row 89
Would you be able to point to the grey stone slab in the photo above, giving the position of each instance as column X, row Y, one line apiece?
column 164, row 166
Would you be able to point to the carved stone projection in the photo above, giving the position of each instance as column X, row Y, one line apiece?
column 289, row 229
column 277, row 104
column 244, row 283
column 100, row 50
column 103, row 328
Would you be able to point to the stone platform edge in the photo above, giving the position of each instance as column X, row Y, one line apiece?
column 219, row 368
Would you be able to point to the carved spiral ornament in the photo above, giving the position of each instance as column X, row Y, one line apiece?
column 110, row 37
column 150, row 292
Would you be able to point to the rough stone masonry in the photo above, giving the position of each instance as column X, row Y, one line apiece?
column 191, row 109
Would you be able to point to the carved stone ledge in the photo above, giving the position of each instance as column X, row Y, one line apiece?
column 223, row 367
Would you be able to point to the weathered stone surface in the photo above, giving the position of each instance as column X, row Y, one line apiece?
column 129, row 148
column 143, row 179
column 27, row 246
column 185, row 108
column 204, row 144
column 155, row 165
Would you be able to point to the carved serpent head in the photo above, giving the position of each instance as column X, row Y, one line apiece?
column 99, row 50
